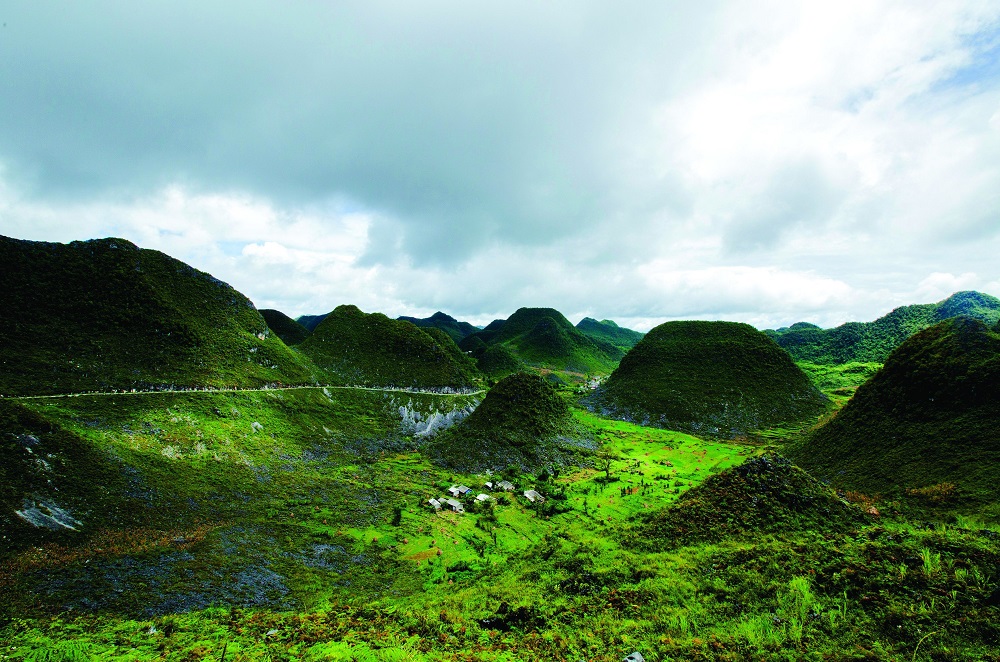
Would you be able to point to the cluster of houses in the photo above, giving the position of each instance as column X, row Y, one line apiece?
column 462, row 491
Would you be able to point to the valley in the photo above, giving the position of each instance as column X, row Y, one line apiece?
column 184, row 477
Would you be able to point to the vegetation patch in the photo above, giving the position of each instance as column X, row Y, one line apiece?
column 712, row 378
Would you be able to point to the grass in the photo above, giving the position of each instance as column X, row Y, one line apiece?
column 317, row 565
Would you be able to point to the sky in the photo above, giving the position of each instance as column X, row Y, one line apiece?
column 641, row 161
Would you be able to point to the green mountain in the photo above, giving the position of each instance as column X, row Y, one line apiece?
column 928, row 418
column 517, row 424
column 310, row 321
column 717, row 378
column 872, row 342
column 609, row 332
column 104, row 314
column 374, row 350
column 544, row 338
column 457, row 330
column 765, row 494
column 283, row 326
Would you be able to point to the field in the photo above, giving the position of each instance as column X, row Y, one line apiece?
column 294, row 524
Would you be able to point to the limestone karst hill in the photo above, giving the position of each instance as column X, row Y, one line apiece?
column 457, row 330
column 927, row 422
column 519, row 423
column 105, row 314
column 373, row 350
column 714, row 378
column 283, row 326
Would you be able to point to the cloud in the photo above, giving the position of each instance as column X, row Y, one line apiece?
column 763, row 161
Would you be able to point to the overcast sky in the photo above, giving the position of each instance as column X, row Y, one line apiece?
column 641, row 161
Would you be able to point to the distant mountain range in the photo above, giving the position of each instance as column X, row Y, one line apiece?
column 457, row 330
column 874, row 341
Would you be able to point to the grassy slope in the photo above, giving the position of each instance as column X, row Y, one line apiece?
column 720, row 378
column 609, row 332
column 316, row 569
column 457, row 330
column 871, row 342
column 103, row 314
column 927, row 417
column 283, row 326
column 371, row 349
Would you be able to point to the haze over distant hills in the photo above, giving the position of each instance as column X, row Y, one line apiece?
column 873, row 341
column 457, row 330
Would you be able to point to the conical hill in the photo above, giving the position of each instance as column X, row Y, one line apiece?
column 716, row 378
column 518, row 423
column 927, row 421
column 374, row 350
column 765, row 494
column 106, row 315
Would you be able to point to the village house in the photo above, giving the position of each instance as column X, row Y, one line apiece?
column 435, row 504
column 533, row 496
column 455, row 505
column 483, row 497
column 459, row 490
column 506, row 486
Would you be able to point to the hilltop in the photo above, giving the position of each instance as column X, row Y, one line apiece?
column 283, row 326
column 374, row 350
column 765, row 494
column 457, row 330
column 105, row 314
column 517, row 424
column 872, row 342
column 927, row 421
column 717, row 378
column 544, row 338
column 609, row 332
column 310, row 322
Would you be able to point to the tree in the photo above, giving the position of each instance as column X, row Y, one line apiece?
column 603, row 460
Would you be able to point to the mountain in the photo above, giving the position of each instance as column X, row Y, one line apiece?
column 609, row 332
column 283, row 326
column 310, row 322
column 928, row 419
column 718, row 378
column 765, row 494
column 374, row 350
column 873, row 341
column 457, row 330
column 105, row 314
column 543, row 337
column 517, row 424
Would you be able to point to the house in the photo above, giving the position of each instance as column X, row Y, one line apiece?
column 483, row 497
column 533, row 496
column 435, row 504
column 634, row 657
column 506, row 486
column 459, row 490
column 488, row 486
column 454, row 505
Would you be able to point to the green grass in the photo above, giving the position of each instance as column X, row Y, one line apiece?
column 316, row 564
